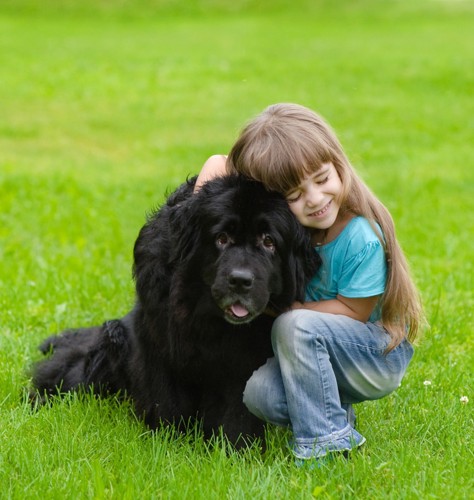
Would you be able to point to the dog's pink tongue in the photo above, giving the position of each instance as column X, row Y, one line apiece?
column 238, row 310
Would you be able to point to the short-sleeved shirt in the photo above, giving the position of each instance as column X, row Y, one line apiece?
column 353, row 265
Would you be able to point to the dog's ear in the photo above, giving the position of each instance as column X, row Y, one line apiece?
column 303, row 262
column 151, row 256
column 185, row 231
column 156, row 246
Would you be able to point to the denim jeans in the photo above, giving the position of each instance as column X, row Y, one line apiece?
column 323, row 363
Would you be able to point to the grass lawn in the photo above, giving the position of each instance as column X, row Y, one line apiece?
column 106, row 106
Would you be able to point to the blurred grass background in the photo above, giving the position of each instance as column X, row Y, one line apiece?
column 107, row 105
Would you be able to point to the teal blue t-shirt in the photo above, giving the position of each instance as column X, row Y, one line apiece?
column 353, row 265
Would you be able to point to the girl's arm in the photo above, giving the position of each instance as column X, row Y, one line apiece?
column 214, row 167
column 359, row 309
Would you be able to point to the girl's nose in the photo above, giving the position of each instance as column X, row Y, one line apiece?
column 314, row 196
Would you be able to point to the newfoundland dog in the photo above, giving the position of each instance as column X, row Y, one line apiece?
column 211, row 271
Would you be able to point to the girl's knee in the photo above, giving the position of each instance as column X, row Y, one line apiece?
column 295, row 328
column 287, row 322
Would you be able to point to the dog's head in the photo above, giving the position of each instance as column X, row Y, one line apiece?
column 240, row 244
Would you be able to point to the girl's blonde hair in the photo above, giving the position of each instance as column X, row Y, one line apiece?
column 288, row 142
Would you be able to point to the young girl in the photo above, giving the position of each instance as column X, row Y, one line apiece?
column 351, row 340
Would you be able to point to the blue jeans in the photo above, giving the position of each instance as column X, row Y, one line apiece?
column 323, row 363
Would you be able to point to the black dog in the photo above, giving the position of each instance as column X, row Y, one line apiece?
column 208, row 267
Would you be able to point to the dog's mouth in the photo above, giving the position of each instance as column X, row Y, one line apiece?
column 238, row 313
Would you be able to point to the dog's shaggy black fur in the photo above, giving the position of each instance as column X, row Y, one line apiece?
column 207, row 267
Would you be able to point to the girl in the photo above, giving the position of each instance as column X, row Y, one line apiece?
column 351, row 340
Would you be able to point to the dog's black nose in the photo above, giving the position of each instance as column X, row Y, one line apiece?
column 241, row 279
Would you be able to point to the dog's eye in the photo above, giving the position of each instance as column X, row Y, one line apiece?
column 222, row 239
column 268, row 242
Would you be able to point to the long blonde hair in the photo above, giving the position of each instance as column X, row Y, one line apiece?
column 288, row 142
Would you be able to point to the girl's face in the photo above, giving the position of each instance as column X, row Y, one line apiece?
column 315, row 201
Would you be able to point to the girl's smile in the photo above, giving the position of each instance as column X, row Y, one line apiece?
column 321, row 213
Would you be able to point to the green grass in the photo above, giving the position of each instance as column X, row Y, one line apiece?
column 107, row 105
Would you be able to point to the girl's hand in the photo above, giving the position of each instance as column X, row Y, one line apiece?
column 214, row 167
column 299, row 305
column 270, row 312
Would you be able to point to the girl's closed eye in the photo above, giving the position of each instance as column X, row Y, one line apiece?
column 293, row 197
column 322, row 176
column 322, row 181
